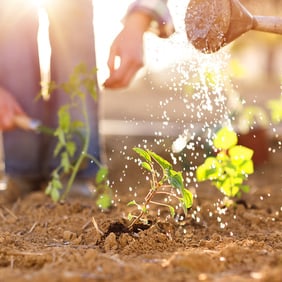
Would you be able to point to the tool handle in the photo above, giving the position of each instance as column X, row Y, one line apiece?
column 25, row 122
column 268, row 24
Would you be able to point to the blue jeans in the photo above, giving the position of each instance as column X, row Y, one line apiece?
column 28, row 154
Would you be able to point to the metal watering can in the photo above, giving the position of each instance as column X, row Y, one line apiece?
column 212, row 24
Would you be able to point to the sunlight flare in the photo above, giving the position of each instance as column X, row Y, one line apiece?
column 44, row 50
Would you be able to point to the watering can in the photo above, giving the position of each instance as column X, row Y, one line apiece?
column 212, row 24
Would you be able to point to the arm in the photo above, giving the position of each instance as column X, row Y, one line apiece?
column 161, row 21
column 128, row 45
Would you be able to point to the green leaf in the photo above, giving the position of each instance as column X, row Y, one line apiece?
column 101, row 175
column 143, row 208
column 55, row 195
column 104, row 201
column 209, row 170
column 77, row 124
column 172, row 211
column 229, row 189
column 247, row 167
column 164, row 164
column 48, row 189
column 245, row 188
column 231, row 170
column 201, row 172
column 65, row 162
column 132, row 203
column 130, row 216
column 142, row 153
column 240, row 152
column 175, row 179
column 222, row 156
column 64, row 118
column 57, row 149
column 187, row 198
column 146, row 166
column 55, row 183
column 60, row 134
column 225, row 138
column 71, row 148
column 275, row 107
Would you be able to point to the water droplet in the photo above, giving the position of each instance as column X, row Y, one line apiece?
column 222, row 259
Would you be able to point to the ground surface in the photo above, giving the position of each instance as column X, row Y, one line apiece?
column 43, row 241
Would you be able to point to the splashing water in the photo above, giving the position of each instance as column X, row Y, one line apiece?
column 196, row 85
column 201, row 98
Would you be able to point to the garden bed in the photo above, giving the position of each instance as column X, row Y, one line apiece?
column 43, row 241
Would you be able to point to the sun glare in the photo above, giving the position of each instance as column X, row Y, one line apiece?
column 38, row 2
column 44, row 50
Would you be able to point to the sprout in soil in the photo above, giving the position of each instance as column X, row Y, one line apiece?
column 163, row 181
column 80, row 84
column 230, row 167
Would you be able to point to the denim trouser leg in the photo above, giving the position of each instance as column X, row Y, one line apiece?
column 72, row 43
column 20, row 75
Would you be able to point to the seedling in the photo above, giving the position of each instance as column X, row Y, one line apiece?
column 80, row 84
column 230, row 167
column 250, row 117
column 275, row 107
column 165, row 181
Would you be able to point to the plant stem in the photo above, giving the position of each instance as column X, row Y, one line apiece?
column 148, row 199
column 84, row 150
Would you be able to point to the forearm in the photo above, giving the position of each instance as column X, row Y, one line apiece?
column 138, row 21
column 157, row 10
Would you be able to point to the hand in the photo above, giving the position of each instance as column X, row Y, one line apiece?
column 9, row 109
column 128, row 46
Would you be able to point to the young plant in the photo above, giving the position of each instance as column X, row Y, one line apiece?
column 80, row 84
column 230, row 167
column 167, row 182
column 275, row 107
column 249, row 118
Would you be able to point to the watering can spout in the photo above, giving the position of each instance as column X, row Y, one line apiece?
column 241, row 21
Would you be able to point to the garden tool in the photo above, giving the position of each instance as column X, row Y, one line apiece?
column 3, row 180
column 213, row 24
column 27, row 123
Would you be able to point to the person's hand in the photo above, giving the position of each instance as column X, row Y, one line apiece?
column 128, row 47
column 9, row 110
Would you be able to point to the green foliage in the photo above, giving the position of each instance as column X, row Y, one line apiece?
column 80, row 84
column 230, row 167
column 167, row 182
column 275, row 107
column 249, row 117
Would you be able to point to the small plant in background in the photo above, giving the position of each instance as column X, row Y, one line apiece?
column 275, row 107
column 249, row 118
column 230, row 167
column 80, row 84
column 165, row 181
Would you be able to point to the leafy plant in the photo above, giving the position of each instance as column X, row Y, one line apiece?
column 250, row 117
column 275, row 107
column 167, row 182
column 80, row 84
column 230, row 167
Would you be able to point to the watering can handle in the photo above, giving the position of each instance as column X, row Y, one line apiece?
column 268, row 24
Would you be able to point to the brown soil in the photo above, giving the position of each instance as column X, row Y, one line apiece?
column 44, row 241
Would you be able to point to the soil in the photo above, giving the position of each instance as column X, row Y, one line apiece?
column 44, row 241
